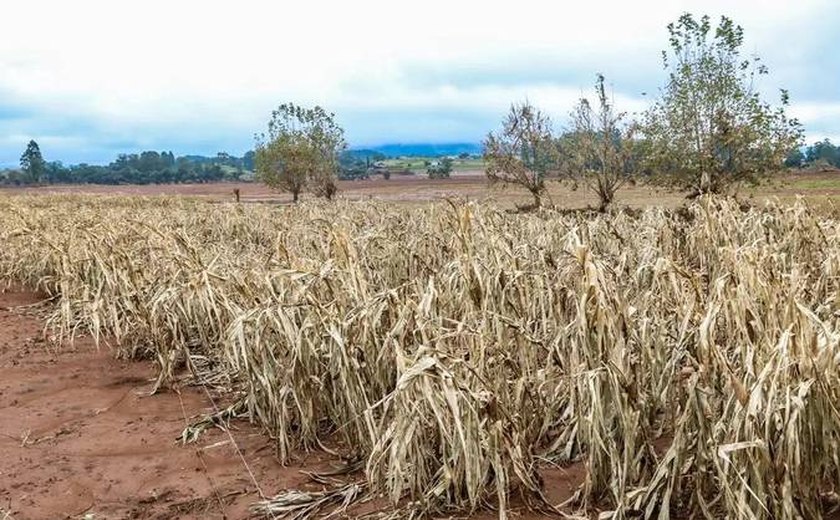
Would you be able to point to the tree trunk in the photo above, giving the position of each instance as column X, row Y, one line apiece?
column 603, row 205
column 705, row 182
column 605, row 197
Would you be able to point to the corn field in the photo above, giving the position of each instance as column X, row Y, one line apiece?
column 688, row 359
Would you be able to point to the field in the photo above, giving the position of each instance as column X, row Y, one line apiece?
column 420, row 357
column 418, row 164
column 817, row 188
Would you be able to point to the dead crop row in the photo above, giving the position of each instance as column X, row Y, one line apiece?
column 689, row 359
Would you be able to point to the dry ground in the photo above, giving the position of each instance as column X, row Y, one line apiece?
column 80, row 434
column 819, row 188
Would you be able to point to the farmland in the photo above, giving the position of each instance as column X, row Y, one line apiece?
column 418, row 164
column 457, row 355
column 816, row 187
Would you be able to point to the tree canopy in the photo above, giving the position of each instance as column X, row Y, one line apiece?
column 32, row 163
column 523, row 152
column 301, row 149
column 710, row 128
column 821, row 153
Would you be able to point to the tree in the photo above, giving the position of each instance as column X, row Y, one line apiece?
column 710, row 129
column 601, row 147
column 328, row 139
column 439, row 169
column 248, row 160
column 56, row 172
column 795, row 158
column 301, row 149
column 823, row 153
column 32, row 163
column 524, row 152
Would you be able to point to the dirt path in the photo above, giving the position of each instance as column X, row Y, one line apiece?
column 79, row 435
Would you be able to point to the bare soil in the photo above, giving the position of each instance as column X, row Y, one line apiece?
column 81, row 437
column 80, row 434
column 819, row 187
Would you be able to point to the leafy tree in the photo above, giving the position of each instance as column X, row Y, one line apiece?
column 301, row 149
column 795, row 158
column 710, row 129
column 328, row 139
column 823, row 152
column 168, row 159
column 354, row 164
column 440, row 169
column 10, row 176
column 248, row 160
column 56, row 172
column 32, row 163
column 524, row 152
column 601, row 147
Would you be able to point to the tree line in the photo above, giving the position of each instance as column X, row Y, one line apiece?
column 148, row 167
column 820, row 154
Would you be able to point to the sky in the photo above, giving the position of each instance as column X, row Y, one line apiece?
column 90, row 79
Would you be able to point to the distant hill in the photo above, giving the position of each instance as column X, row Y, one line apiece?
column 426, row 149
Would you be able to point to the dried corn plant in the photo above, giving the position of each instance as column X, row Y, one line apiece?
column 689, row 360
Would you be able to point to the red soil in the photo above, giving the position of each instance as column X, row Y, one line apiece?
column 80, row 434
column 398, row 188
column 817, row 187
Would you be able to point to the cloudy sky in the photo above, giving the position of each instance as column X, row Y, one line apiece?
column 90, row 79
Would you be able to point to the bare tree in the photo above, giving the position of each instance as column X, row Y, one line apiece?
column 601, row 147
column 524, row 152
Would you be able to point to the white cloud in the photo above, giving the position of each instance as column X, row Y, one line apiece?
column 209, row 72
column 816, row 111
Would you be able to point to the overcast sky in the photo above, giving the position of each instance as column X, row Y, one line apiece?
column 90, row 79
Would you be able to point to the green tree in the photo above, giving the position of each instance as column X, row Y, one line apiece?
column 600, row 147
column 823, row 153
column 710, row 129
column 524, row 152
column 795, row 158
column 32, row 163
column 301, row 149
column 439, row 169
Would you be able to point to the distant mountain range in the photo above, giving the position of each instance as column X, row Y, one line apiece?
column 425, row 149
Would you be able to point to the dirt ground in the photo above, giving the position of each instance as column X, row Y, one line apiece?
column 80, row 437
column 818, row 187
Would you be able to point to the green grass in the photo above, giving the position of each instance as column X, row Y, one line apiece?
column 815, row 184
column 418, row 164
